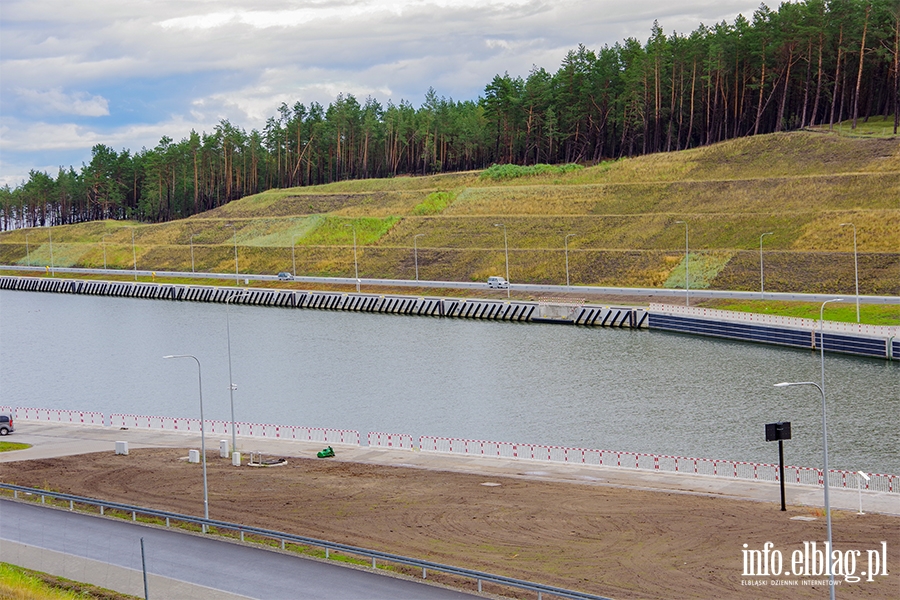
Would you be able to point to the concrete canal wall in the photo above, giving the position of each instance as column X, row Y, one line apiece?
column 847, row 338
column 548, row 311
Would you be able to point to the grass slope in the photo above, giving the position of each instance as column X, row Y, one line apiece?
column 622, row 216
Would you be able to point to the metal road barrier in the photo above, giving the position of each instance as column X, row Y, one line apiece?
column 283, row 538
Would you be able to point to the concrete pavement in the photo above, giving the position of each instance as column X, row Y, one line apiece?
column 49, row 440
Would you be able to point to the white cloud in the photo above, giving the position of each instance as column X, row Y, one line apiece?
column 55, row 101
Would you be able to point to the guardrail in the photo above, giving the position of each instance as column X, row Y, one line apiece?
column 283, row 538
column 55, row 415
column 402, row 441
column 733, row 469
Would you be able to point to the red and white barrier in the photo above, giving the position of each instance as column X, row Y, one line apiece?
column 55, row 415
column 400, row 441
column 259, row 430
column 734, row 469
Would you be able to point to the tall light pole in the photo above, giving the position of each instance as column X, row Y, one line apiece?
column 192, row 252
column 687, row 279
column 855, row 266
column 52, row 270
column 134, row 253
column 27, row 252
column 566, row 242
column 234, row 237
column 293, row 257
column 231, row 385
column 103, row 243
column 355, row 261
column 506, row 252
column 821, row 389
column 416, row 253
column 762, row 288
column 202, row 434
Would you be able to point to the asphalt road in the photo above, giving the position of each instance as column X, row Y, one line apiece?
column 246, row 278
column 208, row 563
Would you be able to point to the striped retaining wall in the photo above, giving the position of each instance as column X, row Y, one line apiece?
column 495, row 310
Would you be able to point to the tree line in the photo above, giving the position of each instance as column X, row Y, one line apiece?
column 809, row 63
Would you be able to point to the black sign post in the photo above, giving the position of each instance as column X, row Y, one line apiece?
column 778, row 432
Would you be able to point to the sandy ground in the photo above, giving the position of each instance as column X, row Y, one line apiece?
column 607, row 540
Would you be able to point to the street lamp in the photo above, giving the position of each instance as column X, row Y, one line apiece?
column 103, row 243
column 202, row 434
column 293, row 257
column 355, row 261
column 416, row 253
column 52, row 270
column 855, row 267
column 133, row 253
column 821, row 389
column 192, row 252
column 27, row 252
column 506, row 252
column 234, row 237
column 566, row 242
column 687, row 285
column 762, row 288
column 231, row 385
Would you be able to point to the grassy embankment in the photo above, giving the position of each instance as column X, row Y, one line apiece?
column 17, row 583
column 801, row 186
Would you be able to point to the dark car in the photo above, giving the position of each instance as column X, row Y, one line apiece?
column 6, row 425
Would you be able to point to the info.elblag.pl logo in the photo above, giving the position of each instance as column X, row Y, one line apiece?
column 813, row 560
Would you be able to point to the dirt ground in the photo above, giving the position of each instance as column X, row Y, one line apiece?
column 612, row 541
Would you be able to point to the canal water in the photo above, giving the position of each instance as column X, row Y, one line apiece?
column 598, row 388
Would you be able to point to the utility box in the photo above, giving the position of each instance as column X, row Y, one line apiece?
column 122, row 448
column 235, row 459
column 223, row 448
column 778, row 431
column 193, row 456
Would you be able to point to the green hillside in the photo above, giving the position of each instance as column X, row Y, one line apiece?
column 622, row 216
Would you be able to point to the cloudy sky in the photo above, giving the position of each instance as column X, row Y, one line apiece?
column 75, row 73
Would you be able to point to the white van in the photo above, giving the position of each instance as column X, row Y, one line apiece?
column 497, row 282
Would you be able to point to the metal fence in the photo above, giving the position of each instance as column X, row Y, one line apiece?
column 284, row 538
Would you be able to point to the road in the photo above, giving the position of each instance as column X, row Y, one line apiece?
column 582, row 290
column 107, row 552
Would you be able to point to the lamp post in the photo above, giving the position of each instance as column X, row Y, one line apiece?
column 762, row 287
column 192, row 252
column 27, row 251
column 824, row 475
column 355, row 261
column 52, row 270
column 202, row 434
column 103, row 243
column 687, row 284
column 821, row 389
column 231, row 385
column 234, row 237
column 133, row 253
column 855, row 266
column 506, row 252
column 416, row 252
column 566, row 242
column 293, row 256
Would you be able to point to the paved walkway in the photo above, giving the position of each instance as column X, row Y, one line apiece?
column 51, row 440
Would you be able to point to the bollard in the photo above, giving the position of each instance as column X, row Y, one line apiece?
column 235, row 459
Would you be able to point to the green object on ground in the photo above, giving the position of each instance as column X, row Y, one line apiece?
column 326, row 453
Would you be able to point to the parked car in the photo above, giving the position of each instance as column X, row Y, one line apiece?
column 497, row 282
column 6, row 424
column 285, row 276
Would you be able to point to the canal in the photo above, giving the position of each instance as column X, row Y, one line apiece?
column 547, row 384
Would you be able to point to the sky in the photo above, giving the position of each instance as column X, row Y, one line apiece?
column 124, row 73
